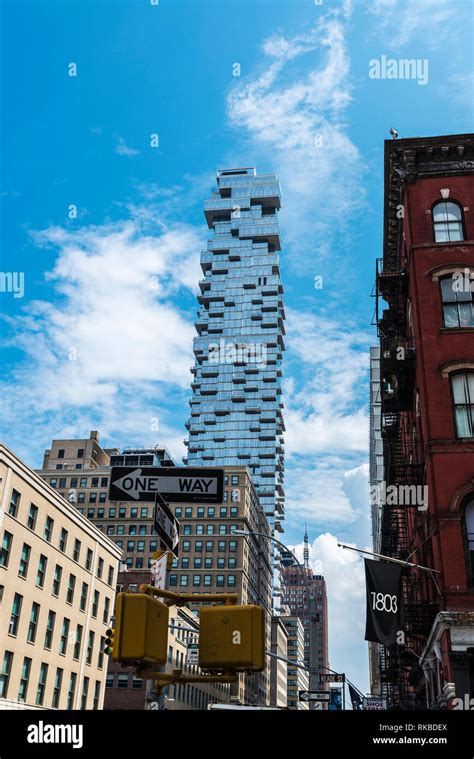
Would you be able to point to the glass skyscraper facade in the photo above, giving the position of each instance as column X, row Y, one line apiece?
column 236, row 407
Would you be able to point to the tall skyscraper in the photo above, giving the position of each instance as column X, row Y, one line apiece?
column 236, row 407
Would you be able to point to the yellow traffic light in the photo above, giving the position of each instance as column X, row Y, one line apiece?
column 232, row 637
column 141, row 629
column 109, row 641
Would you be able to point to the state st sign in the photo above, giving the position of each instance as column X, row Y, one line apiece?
column 174, row 484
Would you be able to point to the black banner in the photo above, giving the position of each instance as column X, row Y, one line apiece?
column 384, row 601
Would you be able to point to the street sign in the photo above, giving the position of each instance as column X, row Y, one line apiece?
column 332, row 678
column 166, row 524
column 374, row 704
column 314, row 695
column 158, row 570
column 175, row 484
column 192, row 654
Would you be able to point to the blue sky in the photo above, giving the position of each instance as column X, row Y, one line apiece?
column 102, row 338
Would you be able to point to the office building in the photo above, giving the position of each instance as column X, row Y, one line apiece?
column 278, row 667
column 57, row 592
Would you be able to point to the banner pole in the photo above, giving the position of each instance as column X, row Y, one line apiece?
column 388, row 558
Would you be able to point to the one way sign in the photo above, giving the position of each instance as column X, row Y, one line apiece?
column 314, row 695
column 174, row 484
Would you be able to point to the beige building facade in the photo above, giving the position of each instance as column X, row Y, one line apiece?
column 57, row 590
column 278, row 667
column 298, row 679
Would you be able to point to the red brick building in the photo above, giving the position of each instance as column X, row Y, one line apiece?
column 427, row 378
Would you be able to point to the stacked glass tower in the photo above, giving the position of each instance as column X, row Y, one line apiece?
column 236, row 407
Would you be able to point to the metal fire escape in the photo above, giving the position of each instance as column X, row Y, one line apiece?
column 400, row 675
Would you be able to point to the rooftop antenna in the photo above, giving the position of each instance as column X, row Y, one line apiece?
column 393, row 132
column 306, row 547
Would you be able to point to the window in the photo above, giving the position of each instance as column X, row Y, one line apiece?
column 137, row 682
column 32, row 516
column 43, row 675
column 133, row 512
column 197, row 562
column 221, row 546
column 40, row 575
column 58, row 680
column 122, row 681
column 90, row 513
column 5, row 673
column 81, row 498
column 222, row 529
column 102, row 499
column 209, row 529
column 209, row 546
column 48, row 635
column 232, row 546
column 24, row 560
column 120, row 529
column 469, row 527
column 63, row 540
column 183, row 580
column 110, row 575
column 220, row 563
column 153, row 545
column 62, row 482
column 130, row 546
column 15, row 615
column 220, row 581
column 64, row 636
column 90, row 647
column 223, row 511
column 104, row 481
column 78, row 466
column 208, row 562
column 178, row 512
column 235, row 479
column 196, row 580
column 77, row 550
column 185, row 563
column 122, row 512
column 188, row 512
column 6, row 547
column 200, row 512
column 211, row 511
column 463, row 396
column 447, row 222
column 74, row 482
column 207, row 580
column 173, row 580
column 187, row 545
column 140, row 546
column 187, row 529
column 92, row 497
column 100, row 657
column 231, row 563
column 85, row 689
column 95, row 702
column 106, row 614
column 95, row 604
column 142, row 529
column 33, row 626
column 24, row 680
column 100, row 569
column 109, row 681
column 199, row 529
column 14, row 503
column 53, row 481
column 226, row 495
column 80, row 453
column 89, row 559
column 48, row 529
column 231, row 581
column 234, row 511
column 112, row 512
column 458, row 308
column 72, row 690
column 70, row 589
column 57, row 580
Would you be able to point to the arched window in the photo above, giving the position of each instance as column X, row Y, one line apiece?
column 458, row 305
column 447, row 222
column 463, row 396
column 469, row 524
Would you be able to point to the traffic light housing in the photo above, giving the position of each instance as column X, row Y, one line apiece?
column 109, row 641
column 232, row 638
column 141, row 630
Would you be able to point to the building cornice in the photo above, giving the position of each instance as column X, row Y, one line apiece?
column 408, row 160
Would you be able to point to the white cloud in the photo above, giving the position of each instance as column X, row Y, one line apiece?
column 293, row 112
column 343, row 571
column 122, row 149
column 405, row 20
column 105, row 350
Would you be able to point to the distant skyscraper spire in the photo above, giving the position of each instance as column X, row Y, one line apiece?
column 306, row 547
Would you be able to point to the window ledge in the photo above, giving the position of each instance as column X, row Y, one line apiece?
column 463, row 330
